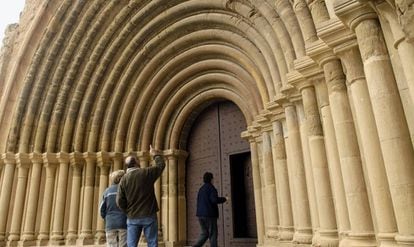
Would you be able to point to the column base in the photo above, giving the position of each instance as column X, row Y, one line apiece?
column 303, row 236
column 100, row 237
column 28, row 236
column 57, row 238
column 26, row 242
column 387, row 239
column 144, row 244
column 285, row 233
column 12, row 243
column 85, row 240
column 71, row 238
column 361, row 240
column 174, row 244
column 14, row 236
column 42, row 242
column 405, row 240
column 329, row 238
column 272, row 233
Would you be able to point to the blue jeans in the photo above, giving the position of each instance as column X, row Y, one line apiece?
column 208, row 231
column 150, row 227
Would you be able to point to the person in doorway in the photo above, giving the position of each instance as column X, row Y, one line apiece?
column 115, row 219
column 207, row 211
column 136, row 197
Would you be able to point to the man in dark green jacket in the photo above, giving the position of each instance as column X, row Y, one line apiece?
column 136, row 197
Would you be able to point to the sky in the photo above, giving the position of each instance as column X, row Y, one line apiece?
column 9, row 13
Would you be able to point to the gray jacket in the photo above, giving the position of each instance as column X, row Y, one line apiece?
column 114, row 217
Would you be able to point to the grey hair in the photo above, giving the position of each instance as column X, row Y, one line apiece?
column 116, row 176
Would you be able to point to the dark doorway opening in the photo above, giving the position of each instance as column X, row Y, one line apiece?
column 244, row 221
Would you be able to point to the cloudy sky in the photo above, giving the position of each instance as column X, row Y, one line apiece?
column 9, row 13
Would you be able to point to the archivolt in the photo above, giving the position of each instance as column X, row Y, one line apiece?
column 104, row 83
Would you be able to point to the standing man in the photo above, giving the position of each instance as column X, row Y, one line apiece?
column 207, row 211
column 115, row 219
column 136, row 197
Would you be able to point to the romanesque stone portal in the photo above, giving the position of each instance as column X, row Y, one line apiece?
column 326, row 90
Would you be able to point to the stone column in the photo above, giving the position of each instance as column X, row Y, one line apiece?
column 165, row 202
column 257, row 184
column 334, row 165
column 17, row 214
column 5, row 191
column 269, row 188
column 303, row 228
column 104, row 165
column 182, row 206
column 172, row 200
column 404, row 48
column 392, row 126
column 370, row 144
column 86, row 236
column 388, row 112
column 32, row 199
column 174, row 158
column 77, row 163
column 57, row 237
column 328, row 228
column 310, row 184
column 144, row 161
column 362, row 232
column 282, row 178
column 50, row 163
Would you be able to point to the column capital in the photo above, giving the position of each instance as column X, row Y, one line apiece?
column 76, row 159
column 103, row 159
column 351, row 60
column 321, row 53
column 89, row 156
column 334, row 33
column 175, row 153
column 307, row 67
column 36, row 157
column 8, row 158
column 23, row 160
column 63, row 157
column 50, row 159
column 353, row 12
column 143, row 156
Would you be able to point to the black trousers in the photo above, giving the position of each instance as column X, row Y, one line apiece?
column 208, row 231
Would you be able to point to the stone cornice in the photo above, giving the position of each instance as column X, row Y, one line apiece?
column 352, row 12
